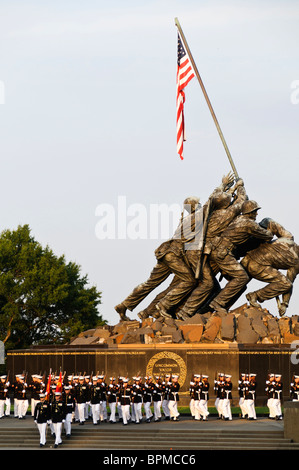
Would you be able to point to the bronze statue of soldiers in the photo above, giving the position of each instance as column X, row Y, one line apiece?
column 184, row 251
column 263, row 263
column 238, row 232
column 224, row 209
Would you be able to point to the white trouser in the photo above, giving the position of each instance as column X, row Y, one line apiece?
column 196, row 410
column 226, row 408
column 76, row 412
column 68, row 423
column 7, row 406
column 270, row 405
column 173, row 409
column 147, row 409
column 112, row 407
column 217, row 406
column 277, row 406
column 165, row 408
column 138, row 412
column 57, row 429
column 22, row 407
column 220, row 406
column 192, row 407
column 87, row 410
column 42, row 428
column 132, row 411
column 95, row 411
column 15, row 407
column 251, row 409
column 243, row 406
column 157, row 410
column 103, row 410
column 2, row 403
column 203, row 408
column 125, row 413
column 119, row 410
column 81, row 411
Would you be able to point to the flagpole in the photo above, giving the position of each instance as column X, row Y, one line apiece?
column 207, row 98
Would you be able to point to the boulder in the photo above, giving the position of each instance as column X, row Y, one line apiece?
column 212, row 328
column 288, row 338
column 168, row 330
column 101, row 333
column 245, row 333
column 259, row 326
column 295, row 325
column 131, row 337
column 157, row 325
column 142, row 331
column 177, row 336
column 253, row 312
column 194, row 334
column 228, row 327
column 197, row 319
column 273, row 330
column 84, row 340
column 285, row 325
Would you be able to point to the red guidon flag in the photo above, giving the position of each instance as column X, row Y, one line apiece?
column 184, row 74
column 59, row 383
column 48, row 389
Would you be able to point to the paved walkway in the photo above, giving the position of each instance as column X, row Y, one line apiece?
column 185, row 422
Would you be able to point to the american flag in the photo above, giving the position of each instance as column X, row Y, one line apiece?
column 184, row 75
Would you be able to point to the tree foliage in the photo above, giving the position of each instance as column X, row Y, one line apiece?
column 43, row 299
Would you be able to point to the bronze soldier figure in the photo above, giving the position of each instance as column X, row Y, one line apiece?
column 265, row 261
column 238, row 232
column 224, row 209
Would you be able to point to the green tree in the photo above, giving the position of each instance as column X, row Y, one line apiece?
column 43, row 299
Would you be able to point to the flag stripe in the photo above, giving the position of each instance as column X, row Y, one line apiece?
column 185, row 73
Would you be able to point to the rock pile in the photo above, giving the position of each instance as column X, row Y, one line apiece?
column 243, row 325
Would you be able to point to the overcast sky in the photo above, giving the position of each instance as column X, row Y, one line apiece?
column 88, row 114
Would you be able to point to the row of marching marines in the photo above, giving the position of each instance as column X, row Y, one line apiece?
column 65, row 399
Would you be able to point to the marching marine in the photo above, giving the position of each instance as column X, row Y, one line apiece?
column 204, row 397
column 165, row 399
column 174, row 398
column 270, row 395
column 112, row 390
column 41, row 416
column 250, row 396
column 70, row 404
column 4, row 387
column 124, row 396
column 58, row 415
column 147, row 398
column 242, row 389
column 294, row 388
column 137, row 397
column 157, row 398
